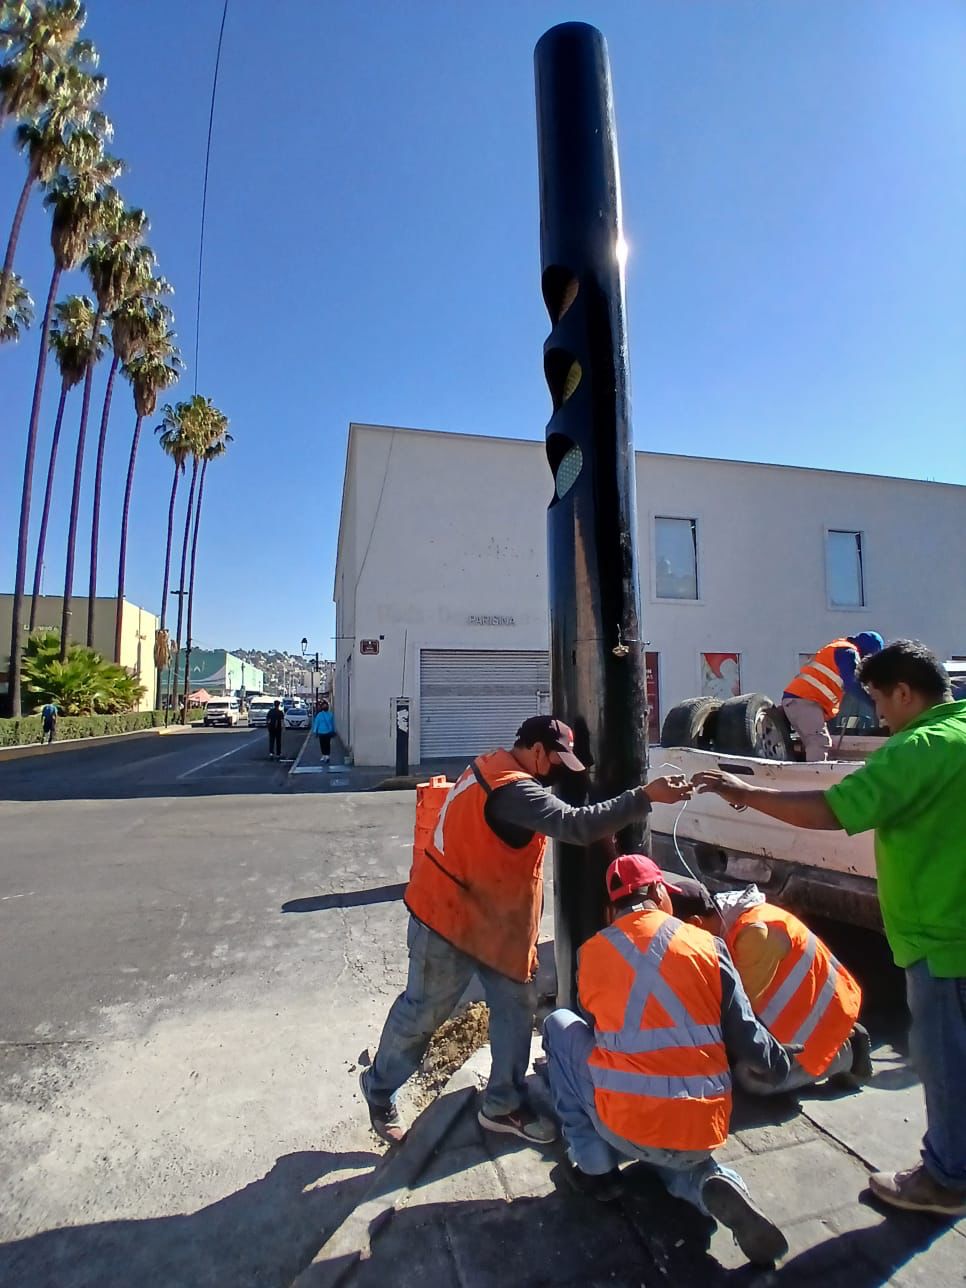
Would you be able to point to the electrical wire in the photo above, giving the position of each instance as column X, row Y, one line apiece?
column 204, row 191
column 677, row 848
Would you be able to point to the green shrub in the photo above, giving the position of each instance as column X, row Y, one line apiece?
column 86, row 684
column 27, row 729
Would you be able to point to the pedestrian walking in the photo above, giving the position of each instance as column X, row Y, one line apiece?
column 912, row 792
column 324, row 727
column 475, row 898
column 646, row 1074
column 274, row 723
column 48, row 719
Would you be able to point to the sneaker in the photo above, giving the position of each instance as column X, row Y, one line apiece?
column 758, row 1238
column 386, row 1123
column 605, row 1187
column 522, row 1122
column 917, row 1191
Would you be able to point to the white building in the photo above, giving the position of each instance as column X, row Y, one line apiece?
column 441, row 592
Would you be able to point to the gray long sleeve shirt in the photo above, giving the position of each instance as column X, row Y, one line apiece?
column 519, row 810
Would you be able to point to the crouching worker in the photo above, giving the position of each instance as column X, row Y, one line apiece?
column 648, row 1078
column 798, row 990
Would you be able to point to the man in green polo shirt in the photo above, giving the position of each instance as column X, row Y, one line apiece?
column 913, row 793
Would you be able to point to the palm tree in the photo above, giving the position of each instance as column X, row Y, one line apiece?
column 43, row 38
column 18, row 313
column 175, row 438
column 70, row 342
column 46, row 140
column 216, row 444
column 120, row 269
column 107, row 216
column 156, row 366
column 73, row 199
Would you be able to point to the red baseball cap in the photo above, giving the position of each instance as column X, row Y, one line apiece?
column 632, row 872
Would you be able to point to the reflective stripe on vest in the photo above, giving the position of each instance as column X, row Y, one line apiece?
column 631, row 1039
column 790, row 986
column 468, row 780
column 834, row 694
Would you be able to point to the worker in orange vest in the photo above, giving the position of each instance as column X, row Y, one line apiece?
column 647, row 1075
column 475, row 896
column 796, row 987
column 815, row 695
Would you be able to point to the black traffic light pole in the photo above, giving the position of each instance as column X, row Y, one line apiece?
column 597, row 654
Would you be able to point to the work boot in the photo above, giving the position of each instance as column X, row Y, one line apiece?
column 861, row 1069
column 522, row 1122
column 387, row 1123
column 916, row 1190
column 605, row 1187
column 758, row 1238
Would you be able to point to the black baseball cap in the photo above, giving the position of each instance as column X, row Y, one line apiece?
column 553, row 735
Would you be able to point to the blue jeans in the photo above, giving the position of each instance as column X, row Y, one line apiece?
column 568, row 1041
column 438, row 977
column 937, row 1044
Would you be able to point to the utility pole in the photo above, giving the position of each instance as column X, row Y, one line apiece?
column 597, row 655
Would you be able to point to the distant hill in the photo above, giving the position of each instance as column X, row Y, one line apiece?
column 274, row 664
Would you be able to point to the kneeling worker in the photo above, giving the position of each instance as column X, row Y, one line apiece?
column 648, row 1078
column 798, row 990
column 475, row 896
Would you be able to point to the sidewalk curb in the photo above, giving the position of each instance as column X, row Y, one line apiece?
column 391, row 1181
column 294, row 767
column 24, row 750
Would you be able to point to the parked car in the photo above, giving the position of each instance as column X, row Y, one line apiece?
column 258, row 710
column 222, row 711
column 298, row 717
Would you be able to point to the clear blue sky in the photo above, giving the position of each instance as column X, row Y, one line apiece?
column 795, row 203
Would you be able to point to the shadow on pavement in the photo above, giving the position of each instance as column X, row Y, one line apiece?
column 347, row 899
column 259, row 1237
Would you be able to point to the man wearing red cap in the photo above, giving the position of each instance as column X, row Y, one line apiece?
column 647, row 1075
column 475, row 896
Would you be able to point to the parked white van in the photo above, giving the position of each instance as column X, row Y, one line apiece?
column 222, row 711
column 259, row 708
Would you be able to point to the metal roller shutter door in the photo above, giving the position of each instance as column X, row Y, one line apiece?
column 474, row 699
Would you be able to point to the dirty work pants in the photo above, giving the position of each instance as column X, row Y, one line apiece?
column 808, row 721
column 274, row 742
column 937, row 1044
column 797, row 1077
column 569, row 1042
column 438, row 978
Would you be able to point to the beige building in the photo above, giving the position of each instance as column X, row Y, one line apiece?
column 138, row 628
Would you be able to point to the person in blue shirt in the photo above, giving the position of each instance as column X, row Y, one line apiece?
column 48, row 717
column 324, row 726
column 814, row 696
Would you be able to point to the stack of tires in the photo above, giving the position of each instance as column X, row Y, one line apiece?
column 748, row 725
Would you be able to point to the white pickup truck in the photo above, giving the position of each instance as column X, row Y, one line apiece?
column 825, row 873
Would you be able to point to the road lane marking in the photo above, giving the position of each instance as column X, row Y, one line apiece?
column 214, row 760
column 25, row 894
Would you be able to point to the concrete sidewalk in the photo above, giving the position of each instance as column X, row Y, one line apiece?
column 456, row 1205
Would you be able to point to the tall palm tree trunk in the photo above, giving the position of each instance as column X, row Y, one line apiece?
column 14, row 237
column 122, row 549
column 16, row 628
column 191, row 582
column 181, row 586
column 167, row 575
column 48, row 494
column 96, row 517
column 75, row 495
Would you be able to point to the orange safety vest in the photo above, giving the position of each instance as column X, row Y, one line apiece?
column 659, row 1067
column 819, row 680
column 812, row 1000
column 480, row 894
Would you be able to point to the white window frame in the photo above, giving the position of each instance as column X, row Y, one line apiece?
column 698, row 522
column 863, row 571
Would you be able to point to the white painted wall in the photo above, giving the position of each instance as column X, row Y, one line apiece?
column 438, row 527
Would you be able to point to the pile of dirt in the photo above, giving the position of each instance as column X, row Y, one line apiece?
column 452, row 1045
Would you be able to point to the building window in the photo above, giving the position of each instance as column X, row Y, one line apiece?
column 676, row 558
column 843, row 569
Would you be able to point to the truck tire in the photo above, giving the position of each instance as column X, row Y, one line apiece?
column 751, row 725
column 691, row 724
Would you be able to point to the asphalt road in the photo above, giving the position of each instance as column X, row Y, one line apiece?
column 198, row 762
